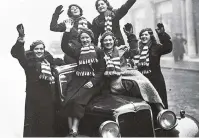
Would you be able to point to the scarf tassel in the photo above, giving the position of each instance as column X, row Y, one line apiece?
column 112, row 73
column 85, row 73
column 88, row 61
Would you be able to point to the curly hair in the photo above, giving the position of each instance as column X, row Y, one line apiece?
column 109, row 7
column 69, row 10
column 87, row 31
column 108, row 33
column 150, row 31
column 35, row 43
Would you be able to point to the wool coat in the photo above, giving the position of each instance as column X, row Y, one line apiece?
column 39, row 106
column 77, row 97
column 155, row 52
column 178, row 47
column 98, row 24
column 61, row 27
column 131, row 82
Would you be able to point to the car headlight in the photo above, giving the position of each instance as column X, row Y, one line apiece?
column 167, row 119
column 109, row 129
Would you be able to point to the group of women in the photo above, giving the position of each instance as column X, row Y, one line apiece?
column 103, row 68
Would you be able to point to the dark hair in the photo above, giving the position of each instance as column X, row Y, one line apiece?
column 109, row 7
column 105, row 34
column 35, row 43
column 150, row 31
column 69, row 10
column 87, row 31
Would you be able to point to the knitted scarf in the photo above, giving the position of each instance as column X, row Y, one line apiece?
column 113, row 67
column 142, row 59
column 108, row 20
column 45, row 72
column 87, row 57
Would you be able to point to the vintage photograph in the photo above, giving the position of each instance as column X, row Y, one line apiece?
column 99, row 68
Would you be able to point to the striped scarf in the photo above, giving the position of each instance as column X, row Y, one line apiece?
column 141, row 60
column 45, row 72
column 113, row 66
column 87, row 57
column 108, row 21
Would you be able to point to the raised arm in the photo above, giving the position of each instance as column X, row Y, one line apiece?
column 18, row 50
column 122, row 11
column 68, row 46
column 132, row 40
column 54, row 26
column 165, row 40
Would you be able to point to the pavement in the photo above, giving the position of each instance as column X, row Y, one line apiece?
column 191, row 64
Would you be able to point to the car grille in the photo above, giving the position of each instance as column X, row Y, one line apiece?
column 136, row 124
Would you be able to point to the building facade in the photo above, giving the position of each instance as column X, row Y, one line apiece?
column 178, row 16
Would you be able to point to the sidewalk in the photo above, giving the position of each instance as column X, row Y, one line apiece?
column 186, row 64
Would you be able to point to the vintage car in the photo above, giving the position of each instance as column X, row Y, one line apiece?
column 109, row 115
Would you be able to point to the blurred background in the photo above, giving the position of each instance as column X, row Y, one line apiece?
column 178, row 16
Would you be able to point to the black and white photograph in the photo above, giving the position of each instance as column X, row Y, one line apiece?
column 99, row 68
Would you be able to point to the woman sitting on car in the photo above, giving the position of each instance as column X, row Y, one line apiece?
column 86, row 82
column 124, row 80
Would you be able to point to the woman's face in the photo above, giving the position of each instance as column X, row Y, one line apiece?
column 85, row 39
column 108, row 42
column 75, row 11
column 101, row 6
column 39, row 51
column 145, row 37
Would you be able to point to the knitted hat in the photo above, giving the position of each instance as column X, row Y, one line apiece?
column 35, row 43
column 87, row 31
column 69, row 10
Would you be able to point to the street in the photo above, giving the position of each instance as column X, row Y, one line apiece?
column 183, row 91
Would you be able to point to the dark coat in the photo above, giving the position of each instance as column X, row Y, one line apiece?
column 39, row 108
column 99, row 21
column 156, row 77
column 77, row 96
column 178, row 46
column 61, row 27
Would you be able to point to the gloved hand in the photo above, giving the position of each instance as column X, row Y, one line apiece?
column 20, row 30
column 160, row 29
column 128, row 29
column 59, row 10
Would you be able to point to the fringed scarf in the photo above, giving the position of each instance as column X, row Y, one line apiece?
column 42, row 65
column 142, row 59
column 113, row 66
column 45, row 72
column 87, row 57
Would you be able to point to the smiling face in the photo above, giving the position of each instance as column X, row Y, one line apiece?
column 39, row 51
column 108, row 42
column 75, row 11
column 101, row 6
column 85, row 39
column 145, row 37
